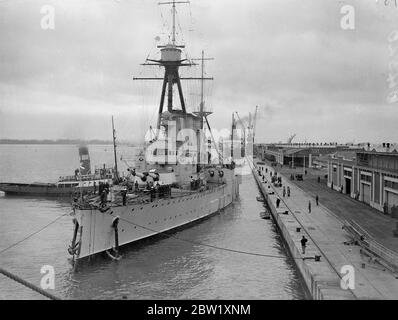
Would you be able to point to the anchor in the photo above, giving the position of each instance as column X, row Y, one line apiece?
column 116, row 257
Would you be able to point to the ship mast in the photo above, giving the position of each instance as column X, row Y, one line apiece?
column 171, row 60
column 114, row 149
column 202, row 114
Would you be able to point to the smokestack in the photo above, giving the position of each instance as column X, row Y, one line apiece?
column 84, row 157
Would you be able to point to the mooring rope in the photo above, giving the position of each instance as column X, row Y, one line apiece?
column 28, row 284
column 19, row 279
column 205, row 244
column 32, row 234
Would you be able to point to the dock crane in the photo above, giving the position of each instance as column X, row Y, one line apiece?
column 290, row 139
column 254, row 124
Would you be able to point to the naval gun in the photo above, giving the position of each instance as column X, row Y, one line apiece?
column 143, row 176
column 151, row 176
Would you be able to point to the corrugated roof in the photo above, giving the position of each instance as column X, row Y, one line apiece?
column 379, row 148
column 347, row 155
column 291, row 151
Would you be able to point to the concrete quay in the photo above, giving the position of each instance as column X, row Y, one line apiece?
column 326, row 239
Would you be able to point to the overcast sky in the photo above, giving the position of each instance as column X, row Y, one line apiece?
column 292, row 58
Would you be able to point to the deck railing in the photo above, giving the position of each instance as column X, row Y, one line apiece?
column 367, row 242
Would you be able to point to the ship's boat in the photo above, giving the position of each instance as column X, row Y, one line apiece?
column 83, row 181
column 173, row 182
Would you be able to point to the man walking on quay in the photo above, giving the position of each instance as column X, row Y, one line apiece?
column 284, row 191
column 278, row 201
column 288, row 191
column 317, row 200
column 309, row 206
column 303, row 241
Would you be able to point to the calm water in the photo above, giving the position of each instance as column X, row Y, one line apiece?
column 161, row 268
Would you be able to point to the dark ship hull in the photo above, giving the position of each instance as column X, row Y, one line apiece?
column 40, row 189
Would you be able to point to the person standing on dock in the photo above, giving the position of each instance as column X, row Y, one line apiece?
column 309, row 206
column 278, row 201
column 284, row 191
column 317, row 200
column 303, row 241
column 288, row 191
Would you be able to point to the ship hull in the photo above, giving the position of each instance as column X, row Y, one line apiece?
column 137, row 222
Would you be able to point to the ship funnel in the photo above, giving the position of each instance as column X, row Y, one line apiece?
column 85, row 166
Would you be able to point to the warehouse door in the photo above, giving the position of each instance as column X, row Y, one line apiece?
column 347, row 185
column 365, row 193
column 391, row 199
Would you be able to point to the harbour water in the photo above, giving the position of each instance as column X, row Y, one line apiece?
column 176, row 267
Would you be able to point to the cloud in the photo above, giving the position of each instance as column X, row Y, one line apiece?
column 291, row 58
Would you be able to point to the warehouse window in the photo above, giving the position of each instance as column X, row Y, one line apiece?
column 347, row 173
column 391, row 184
column 366, row 178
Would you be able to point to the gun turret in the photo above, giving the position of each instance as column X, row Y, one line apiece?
column 155, row 176
column 143, row 176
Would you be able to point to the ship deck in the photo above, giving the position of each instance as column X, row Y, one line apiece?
column 141, row 197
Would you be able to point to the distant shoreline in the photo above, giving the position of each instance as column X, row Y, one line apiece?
column 59, row 142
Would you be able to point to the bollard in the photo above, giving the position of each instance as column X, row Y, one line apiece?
column 317, row 257
column 298, row 229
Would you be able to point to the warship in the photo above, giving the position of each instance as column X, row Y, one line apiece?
column 175, row 180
